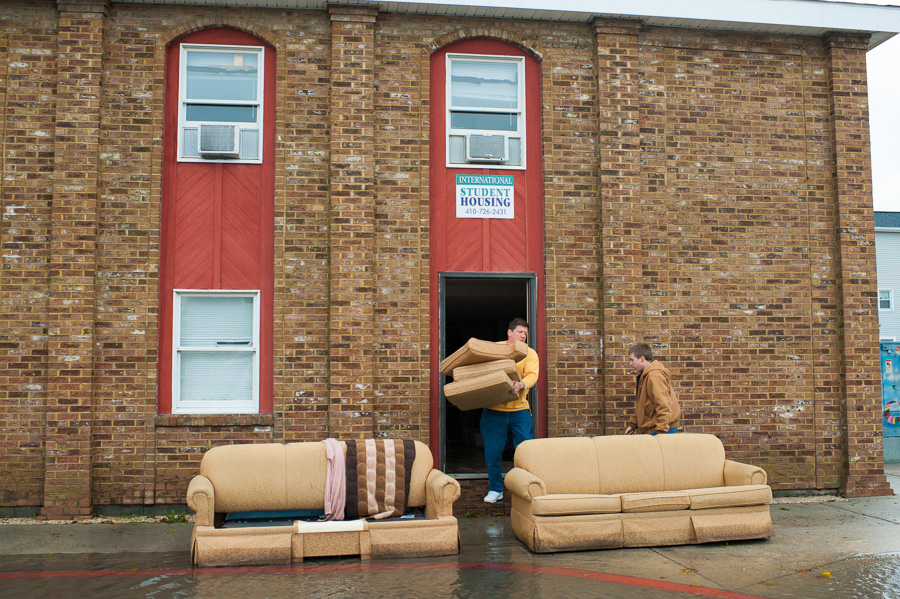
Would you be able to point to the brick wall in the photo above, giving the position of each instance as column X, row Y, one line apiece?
column 705, row 191
column 28, row 72
column 402, row 321
column 302, row 197
column 72, row 292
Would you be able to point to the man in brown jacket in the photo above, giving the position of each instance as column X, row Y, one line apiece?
column 656, row 407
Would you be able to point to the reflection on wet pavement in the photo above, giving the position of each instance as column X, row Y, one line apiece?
column 163, row 576
column 121, row 576
column 860, row 577
column 848, row 549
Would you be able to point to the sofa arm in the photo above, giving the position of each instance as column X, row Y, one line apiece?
column 737, row 474
column 524, row 484
column 201, row 497
column 441, row 491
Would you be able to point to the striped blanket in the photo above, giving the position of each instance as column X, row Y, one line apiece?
column 378, row 473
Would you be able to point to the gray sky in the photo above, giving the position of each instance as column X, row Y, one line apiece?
column 884, row 118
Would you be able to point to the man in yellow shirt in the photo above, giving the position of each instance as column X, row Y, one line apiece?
column 514, row 416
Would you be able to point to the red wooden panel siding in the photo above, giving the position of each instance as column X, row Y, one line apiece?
column 192, row 245
column 217, row 220
column 241, row 228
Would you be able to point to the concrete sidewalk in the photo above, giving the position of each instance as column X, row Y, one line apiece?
column 829, row 549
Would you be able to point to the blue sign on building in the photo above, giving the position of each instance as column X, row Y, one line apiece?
column 890, row 388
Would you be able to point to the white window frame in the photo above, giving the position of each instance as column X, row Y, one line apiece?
column 890, row 298
column 184, row 124
column 223, row 406
column 449, row 110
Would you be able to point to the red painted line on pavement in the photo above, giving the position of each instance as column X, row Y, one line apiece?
column 674, row 587
column 617, row 578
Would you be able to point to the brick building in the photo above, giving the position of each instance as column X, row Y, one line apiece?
column 243, row 222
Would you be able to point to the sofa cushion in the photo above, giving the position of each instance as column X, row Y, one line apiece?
column 664, row 501
column 629, row 464
column 474, row 370
column 476, row 351
column 249, row 477
column 645, row 463
column 564, row 464
column 751, row 522
column 571, row 504
column 692, row 461
column 480, row 392
column 743, row 495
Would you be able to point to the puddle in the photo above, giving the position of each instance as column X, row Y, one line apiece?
column 169, row 576
column 862, row 577
column 164, row 576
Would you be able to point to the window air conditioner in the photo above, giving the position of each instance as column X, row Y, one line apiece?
column 219, row 141
column 486, row 148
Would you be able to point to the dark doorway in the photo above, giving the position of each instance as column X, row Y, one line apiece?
column 480, row 306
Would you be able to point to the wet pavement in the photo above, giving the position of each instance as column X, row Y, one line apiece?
column 819, row 550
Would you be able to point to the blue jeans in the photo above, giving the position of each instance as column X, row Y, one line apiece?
column 495, row 429
column 674, row 429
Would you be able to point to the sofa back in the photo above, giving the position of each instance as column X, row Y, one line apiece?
column 624, row 464
column 277, row 476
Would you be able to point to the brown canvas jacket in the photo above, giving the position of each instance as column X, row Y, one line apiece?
column 656, row 407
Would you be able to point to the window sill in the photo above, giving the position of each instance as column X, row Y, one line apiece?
column 163, row 420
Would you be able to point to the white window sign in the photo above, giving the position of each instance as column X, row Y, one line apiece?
column 485, row 196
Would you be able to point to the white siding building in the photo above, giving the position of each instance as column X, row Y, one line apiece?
column 887, row 257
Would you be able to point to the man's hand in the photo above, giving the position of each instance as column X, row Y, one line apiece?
column 517, row 386
column 629, row 431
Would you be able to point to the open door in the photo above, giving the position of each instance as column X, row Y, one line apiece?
column 478, row 305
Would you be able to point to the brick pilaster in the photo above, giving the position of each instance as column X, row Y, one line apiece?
column 860, row 373
column 618, row 113
column 67, row 474
column 352, row 188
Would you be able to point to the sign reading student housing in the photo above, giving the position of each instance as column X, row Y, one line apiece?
column 484, row 196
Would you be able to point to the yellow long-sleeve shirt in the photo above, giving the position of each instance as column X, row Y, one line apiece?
column 528, row 374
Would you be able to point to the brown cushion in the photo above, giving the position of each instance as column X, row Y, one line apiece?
column 571, row 504
column 655, row 502
column 476, row 351
column 743, row 495
column 473, row 370
column 480, row 392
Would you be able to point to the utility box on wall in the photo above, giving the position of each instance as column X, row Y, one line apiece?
column 890, row 403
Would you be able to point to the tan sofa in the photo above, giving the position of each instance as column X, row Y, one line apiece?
column 574, row 493
column 291, row 477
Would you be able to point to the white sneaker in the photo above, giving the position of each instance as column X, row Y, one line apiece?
column 493, row 497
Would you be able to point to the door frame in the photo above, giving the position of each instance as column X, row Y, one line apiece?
column 535, row 398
